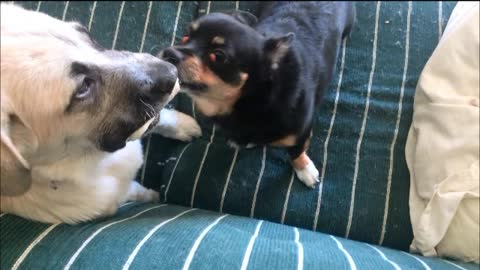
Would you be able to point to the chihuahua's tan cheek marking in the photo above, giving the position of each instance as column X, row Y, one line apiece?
column 220, row 97
column 301, row 161
column 207, row 107
column 290, row 140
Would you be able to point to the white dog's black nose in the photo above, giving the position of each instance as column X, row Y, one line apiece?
column 161, row 80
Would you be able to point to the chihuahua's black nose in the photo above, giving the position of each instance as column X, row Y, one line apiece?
column 171, row 55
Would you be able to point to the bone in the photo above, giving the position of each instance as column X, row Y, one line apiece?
column 175, row 90
column 139, row 132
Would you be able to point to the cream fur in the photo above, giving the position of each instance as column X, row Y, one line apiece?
column 70, row 180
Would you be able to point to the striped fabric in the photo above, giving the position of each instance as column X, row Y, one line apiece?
column 358, row 139
column 358, row 145
column 152, row 236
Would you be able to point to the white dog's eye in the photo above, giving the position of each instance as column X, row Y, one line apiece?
column 86, row 88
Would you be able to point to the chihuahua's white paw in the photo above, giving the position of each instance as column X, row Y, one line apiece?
column 308, row 175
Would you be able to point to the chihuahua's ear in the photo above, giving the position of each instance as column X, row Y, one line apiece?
column 244, row 17
column 14, row 170
column 277, row 47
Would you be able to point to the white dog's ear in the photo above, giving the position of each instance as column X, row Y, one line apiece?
column 15, row 177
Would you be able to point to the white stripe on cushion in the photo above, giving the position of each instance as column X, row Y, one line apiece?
column 145, row 28
column 32, row 245
column 440, row 19
column 175, row 26
column 92, row 14
column 125, row 204
column 117, row 28
column 425, row 266
column 90, row 238
column 65, row 10
column 248, row 252
column 197, row 177
column 208, row 6
column 325, row 146
column 189, row 259
column 287, row 196
column 150, row 233
column 300, row 249
column 260, row 175
column 385, row 257
column 397, row 126
column 364, row 121
column 173, row 172
column 454, row 265
column 347, row 255
column 227, row 181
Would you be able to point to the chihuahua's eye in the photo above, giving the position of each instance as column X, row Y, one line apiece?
column 87, row 87
column 218, row 56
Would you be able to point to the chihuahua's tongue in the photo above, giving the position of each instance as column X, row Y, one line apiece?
column 139, row 132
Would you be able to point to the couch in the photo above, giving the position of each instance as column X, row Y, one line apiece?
column 227, row 208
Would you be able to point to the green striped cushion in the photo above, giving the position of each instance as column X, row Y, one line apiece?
column 152, row 236
column 365, row 180
column 358, row 143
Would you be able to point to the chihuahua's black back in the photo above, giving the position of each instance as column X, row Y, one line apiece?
column 284, row 104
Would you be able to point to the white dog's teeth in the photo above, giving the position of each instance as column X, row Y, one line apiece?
column 139, row 132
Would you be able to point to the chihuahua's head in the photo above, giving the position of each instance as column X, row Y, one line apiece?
column 220, row 55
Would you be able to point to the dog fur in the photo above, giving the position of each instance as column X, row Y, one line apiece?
column 261, row 80
column 68, row 107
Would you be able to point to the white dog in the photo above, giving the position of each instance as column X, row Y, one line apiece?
column 68, row 108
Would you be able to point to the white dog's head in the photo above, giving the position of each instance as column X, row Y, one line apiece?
column 62, row 92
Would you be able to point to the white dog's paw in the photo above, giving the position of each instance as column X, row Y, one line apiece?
column 308, row 175
column 187, row 128
column 148, row 196
column 176, row 125
column 138, row 193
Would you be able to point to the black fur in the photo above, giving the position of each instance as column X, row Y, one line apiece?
column 278, row 99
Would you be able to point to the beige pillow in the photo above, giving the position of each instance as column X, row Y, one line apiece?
column 442, row 149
